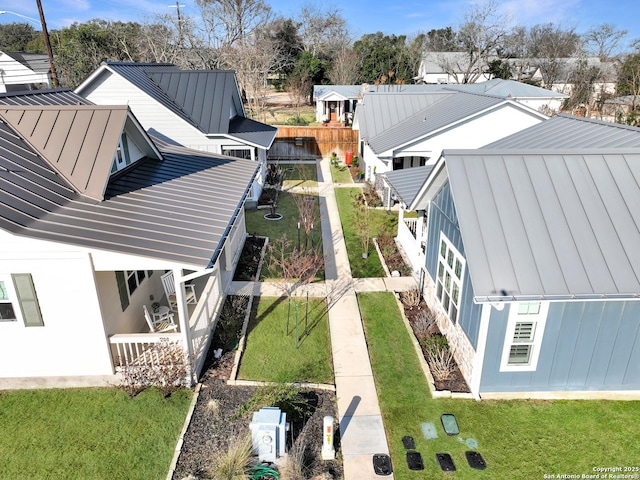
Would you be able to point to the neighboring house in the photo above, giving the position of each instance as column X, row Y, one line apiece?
column 336, row 104
column 199, row 109
column 532, row 257
column 618, row 109
column 448, row 67
column 540, row 99
column 24, row 71
column 404, row 130
column 92, row 213
column 553, row 74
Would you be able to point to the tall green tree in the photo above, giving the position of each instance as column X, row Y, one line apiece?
column 15, row 37
column 311, row 71
column 384, row 58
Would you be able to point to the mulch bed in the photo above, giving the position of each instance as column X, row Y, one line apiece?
column 455, row 382
column 214, row 422
column 249, row 260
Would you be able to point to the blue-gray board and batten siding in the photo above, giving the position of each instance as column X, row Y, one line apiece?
column 587, row 346
column 443, row 218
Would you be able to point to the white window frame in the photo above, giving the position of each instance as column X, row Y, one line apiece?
column 122, row 157
column 13, row 299
column 443, row 293
column 523, row 313
column 230, row 148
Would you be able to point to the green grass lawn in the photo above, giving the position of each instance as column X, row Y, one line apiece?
column 89, row 433
column 271, row 353
column 381, row 221
column 288, row 226
column 340, row 174
column 300, row 175
column 518, row 439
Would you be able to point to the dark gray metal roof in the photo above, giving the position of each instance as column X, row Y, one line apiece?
column 549, row 223
column 442, row 110
column 567, row 131
column 177, row 209
column 407, row 183
column 252, row 132
column 78, row 141
column 57, row 96
column 206, row 96
column 202, row 98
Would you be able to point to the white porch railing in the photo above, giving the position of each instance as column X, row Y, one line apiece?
column 412, row 225
column 136, row 349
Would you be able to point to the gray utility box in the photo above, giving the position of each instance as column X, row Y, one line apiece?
column 269, row 433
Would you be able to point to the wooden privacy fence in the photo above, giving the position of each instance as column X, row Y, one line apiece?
column 305, row 143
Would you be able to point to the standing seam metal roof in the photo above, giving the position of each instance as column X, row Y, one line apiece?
column 177, row 209
column 451, row 109
column 567, row 131
column 407, row 183
column 549, row 223
column 203, row 98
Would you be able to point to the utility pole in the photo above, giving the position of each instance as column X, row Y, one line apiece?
column 45, row 32
column 177, row 7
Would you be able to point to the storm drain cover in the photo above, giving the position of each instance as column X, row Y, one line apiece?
column 414, row 461
column 409, row 443
column 446, row 462
column 382, row 464
column 450, row 424
column 429, row 430
column 475, row 460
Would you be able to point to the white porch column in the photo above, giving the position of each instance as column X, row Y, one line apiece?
column 420, row 226
column 183, row 313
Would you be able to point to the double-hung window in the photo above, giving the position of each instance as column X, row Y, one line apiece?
column 451, row 266
column 523, row 338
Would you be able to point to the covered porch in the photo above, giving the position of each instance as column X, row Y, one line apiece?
column 403, row 187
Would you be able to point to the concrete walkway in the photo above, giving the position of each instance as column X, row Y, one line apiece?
column 361, row 429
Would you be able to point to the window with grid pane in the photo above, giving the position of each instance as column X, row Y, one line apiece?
column 449, row 278
column 6, row 307
column 523, row 337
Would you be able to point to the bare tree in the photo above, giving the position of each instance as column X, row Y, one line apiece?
column 362, row 223
column 297, row 268
column 323, row 32
column 298, row 86
column 344, row 70
column 253, row 59
column 550, row 46
column 230, row 21
column 604, row 39
column 480, row 35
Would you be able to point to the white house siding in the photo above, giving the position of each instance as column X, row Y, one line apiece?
column 73, row 340
column 110, row 89
column 15, row 73
column 473, row 133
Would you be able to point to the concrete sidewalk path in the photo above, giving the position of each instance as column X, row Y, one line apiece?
column 362, row 432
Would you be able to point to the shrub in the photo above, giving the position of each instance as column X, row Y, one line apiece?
column 229, row 326
column 296, row 121
column 435, row 343
column 287, row 397
column 424, row 324
column 441, row 363
column 167, row 368
column 411, row 298
column 236, row 461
